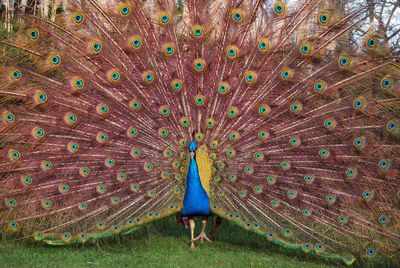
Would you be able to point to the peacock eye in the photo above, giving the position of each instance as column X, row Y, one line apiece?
column 383, row 219
column 344, row 61
column 200, row 100
column 324, row 17
column 164, row 18
column 163, row 132
column 237, row 15
column 125, row 11
column 232, row 112
column 148, row 77
column 77, row 84
column 306, row 47
column 367, row 195
column 232, row 51
column 184, row 122
column 135, row 42
column 54, row 59
column 77, row 18
column 324, row 153
column 14, row 74
column 210, row 123
column 385, row 83
column 250, row 77
column 392, row 126
column 199, row 65
column 371, row 42
column 34, row 34
column 197, row 31
column 114, row 75
column 279, row 8
column 223, row 88
column 264, row 110
column 42, row 97
column 95, row 46
column 371, row 251
column 168, row 49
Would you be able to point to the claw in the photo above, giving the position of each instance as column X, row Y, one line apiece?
column 192, row 246
column 202, row 236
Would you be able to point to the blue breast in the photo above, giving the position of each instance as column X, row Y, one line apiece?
column 196, row 201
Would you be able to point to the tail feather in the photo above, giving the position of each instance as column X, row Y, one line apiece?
column 297, row 107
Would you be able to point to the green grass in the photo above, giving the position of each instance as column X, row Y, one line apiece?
column 160, row 244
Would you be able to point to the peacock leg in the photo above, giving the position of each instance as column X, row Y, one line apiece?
column 217, row 221
column 202, row 234
column 192, row 225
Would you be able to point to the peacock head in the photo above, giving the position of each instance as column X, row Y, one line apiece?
column 192, row 146
column 192, row 149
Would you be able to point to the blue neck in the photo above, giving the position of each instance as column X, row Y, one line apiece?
column 196, row 201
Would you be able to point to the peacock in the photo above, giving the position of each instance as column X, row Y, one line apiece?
column 281, row 117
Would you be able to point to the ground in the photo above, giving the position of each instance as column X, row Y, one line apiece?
column 160, row 244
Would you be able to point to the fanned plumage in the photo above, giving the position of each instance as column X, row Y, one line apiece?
column 301, row 124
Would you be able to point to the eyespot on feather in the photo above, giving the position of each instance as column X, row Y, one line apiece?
column 73, row 147
column 296, row 107
column 232, row 51
column 286, row 74
column 14, row 74
column 40, row 97
column 250, row 77
column 199, row 100
column 198, row 31
column 344, row 61
column 306, row 48
column 95, row 46
column 38, row 133
column 102, row 109
column 77, row 18
column 70, row 118
column 124, row 9
column 33, row 34
column 14, row 155
column 177, row 85
column 232, row 112
column 135, row 42
column 279, row 8
column 324, row 18
column 114, row 75
column 164, row 18
column 168, row 49
column 77, row 84
column 102, row 137
column 199, row 65
column 54, row 59
column 184, row 121
column 135, row 105
column 8, row 118
column 237, row 15
column 164, row 110
column 148, row 77
column 264, row 44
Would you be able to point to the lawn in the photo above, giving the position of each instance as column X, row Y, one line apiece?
column 160, row 244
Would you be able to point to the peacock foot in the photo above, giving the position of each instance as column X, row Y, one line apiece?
column 192, row 246
column 201, row 237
